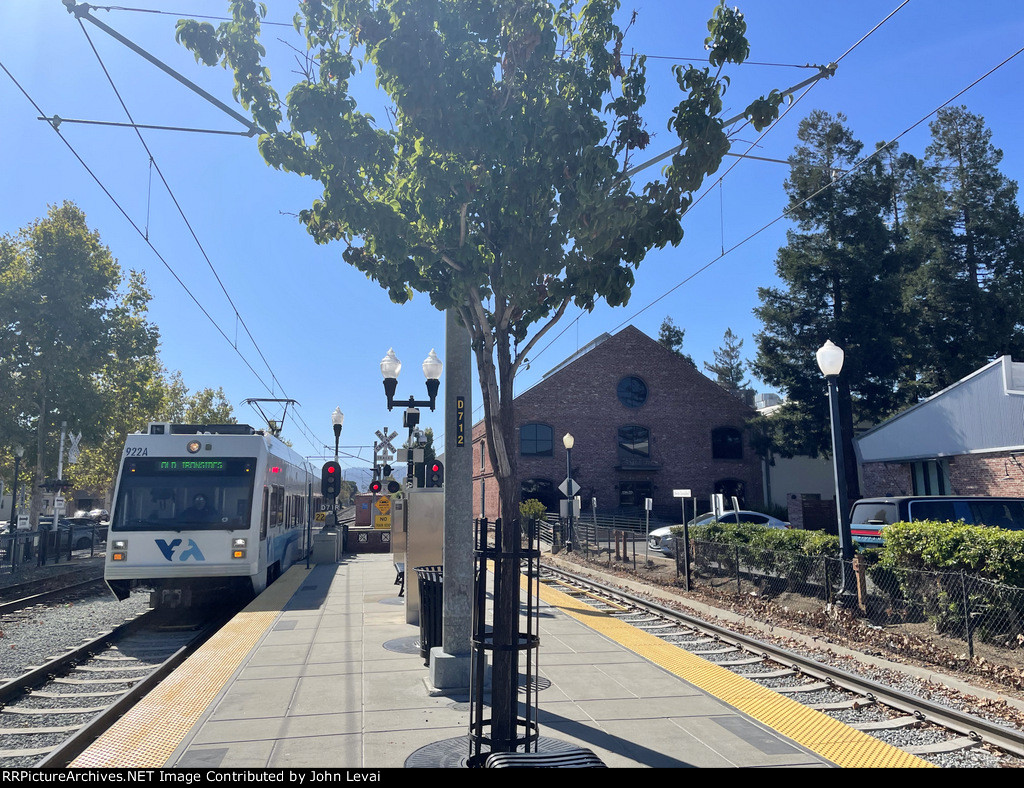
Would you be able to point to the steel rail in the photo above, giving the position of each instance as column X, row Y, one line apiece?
column 45, row 596
column 62, row 755
column 965, row 724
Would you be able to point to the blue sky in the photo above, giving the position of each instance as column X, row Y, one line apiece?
column 321, row 326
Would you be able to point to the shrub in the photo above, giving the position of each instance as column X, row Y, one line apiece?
column 532, row 509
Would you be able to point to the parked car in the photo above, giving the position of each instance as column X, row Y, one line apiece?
column 869, row 516
column 85, row 532
column 100, row 515
column 660, row 538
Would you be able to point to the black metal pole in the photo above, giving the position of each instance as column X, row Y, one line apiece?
column 568, row 483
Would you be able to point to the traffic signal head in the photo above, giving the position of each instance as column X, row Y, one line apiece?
column 393, row 486
column 375, row 486
column 330, row 480
column 435, row 474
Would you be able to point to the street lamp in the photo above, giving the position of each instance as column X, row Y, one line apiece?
column 830, row 361
column 390, row 366
column 568, row 441
column 337, row 419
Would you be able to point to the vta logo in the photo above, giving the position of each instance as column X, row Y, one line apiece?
column 192, row 551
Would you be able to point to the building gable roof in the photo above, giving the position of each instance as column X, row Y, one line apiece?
column 627, row 345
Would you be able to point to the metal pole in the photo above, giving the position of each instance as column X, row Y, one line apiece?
column 60, row 456
column 568, row 475
column 14, row 495
column 839, row 468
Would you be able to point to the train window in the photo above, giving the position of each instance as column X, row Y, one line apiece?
column 276, row 505
column 266, row 513
column 159, row 493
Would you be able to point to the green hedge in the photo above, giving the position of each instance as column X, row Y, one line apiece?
column 992, row 553
column 761, row 537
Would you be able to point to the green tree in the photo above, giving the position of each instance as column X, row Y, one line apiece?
column 842, row 279
column 58, row 286
column 501, row 187
column 966, row 236
column 670, row 336
column 204, row 406
column 131, row 385
column 728, row 368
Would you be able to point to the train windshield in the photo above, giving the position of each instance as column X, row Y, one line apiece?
column 178, row 494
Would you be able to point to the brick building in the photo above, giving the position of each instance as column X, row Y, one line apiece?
column 966, row 440
column 645, row 422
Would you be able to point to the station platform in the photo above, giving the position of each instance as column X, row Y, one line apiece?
column 322, row 671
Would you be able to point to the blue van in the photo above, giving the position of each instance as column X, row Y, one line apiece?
column 869, row 515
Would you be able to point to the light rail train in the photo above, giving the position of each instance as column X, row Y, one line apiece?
column 204, row 511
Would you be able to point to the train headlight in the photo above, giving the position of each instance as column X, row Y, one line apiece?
column 238, row 548
column 120, row 544
column 119, row 550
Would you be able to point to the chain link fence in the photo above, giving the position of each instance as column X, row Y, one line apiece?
column 954, row 605
column 962, row 610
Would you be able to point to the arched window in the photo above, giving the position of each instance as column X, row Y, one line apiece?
column 634, row 442
column 726, row 443
column 541, row 489
column 535, row 440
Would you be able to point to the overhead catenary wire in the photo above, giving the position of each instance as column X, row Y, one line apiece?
column 878, row 151
column 144, row 235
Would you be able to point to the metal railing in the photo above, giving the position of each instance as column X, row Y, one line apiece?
column 41, row 547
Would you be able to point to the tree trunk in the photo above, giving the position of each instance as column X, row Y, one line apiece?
column 496, row 385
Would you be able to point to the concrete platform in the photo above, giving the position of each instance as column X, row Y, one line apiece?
column 322, row 671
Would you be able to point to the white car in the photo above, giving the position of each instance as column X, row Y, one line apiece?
column 661, row 538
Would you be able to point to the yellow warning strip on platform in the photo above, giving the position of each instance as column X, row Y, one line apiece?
column 834, row 740
column 147, row 736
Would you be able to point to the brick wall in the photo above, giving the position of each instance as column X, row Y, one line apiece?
column 682, row 408
column 987, row 474
column 995, row 473
column 885, row 478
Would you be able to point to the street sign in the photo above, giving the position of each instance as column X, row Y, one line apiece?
column 58, row 506
column 569, row 488
column 385, row 439
column 383, row 505
column 320, row 517
column 682, row 494
column 382, row 521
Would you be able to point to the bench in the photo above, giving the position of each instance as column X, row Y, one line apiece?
column 574, row 758
column 400, row 577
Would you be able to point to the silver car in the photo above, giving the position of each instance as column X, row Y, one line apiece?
column 662, row 538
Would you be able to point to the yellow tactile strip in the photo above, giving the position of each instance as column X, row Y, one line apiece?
column 150, row 732
column 836, row 741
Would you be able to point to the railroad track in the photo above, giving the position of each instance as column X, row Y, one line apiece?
column 52, row 712
column 913, row 723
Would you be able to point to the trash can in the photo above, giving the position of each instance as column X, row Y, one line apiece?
column 431, row 587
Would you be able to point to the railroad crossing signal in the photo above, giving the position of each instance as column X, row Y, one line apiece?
column 330, row 480
column 435, row 474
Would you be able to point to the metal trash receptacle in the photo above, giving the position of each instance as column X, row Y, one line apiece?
column 431, row 588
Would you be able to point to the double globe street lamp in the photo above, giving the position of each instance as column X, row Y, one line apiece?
column 390, row 367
